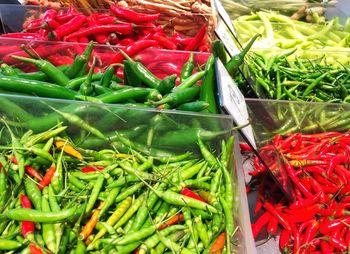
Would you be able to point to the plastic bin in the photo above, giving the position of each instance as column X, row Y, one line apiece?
column 156, row 133
column 271, row 117
column 188, row 24
column 160, row 62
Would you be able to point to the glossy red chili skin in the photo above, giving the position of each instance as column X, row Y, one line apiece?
column 282, row 220
column 284, row 241
column 28, row 227
column 332, row 225
column 260, row 223
column 187, row 192
column 133, row 49
column 132, row 16
column 71, row 26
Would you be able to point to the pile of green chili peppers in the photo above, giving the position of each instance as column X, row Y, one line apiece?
column 79, row 82
column 108, row 201
column 300, row 79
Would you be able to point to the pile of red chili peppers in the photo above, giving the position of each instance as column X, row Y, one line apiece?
column 120, row 26
column 317, row 166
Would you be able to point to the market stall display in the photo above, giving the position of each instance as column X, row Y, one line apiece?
column 117, row 193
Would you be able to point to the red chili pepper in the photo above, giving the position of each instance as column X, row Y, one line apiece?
column 28, row 227
column 47, row 177
column 33, row 26
column 296, row 180
column 269, row 207
column 260, row 223
column 133, row 49
column 305, row 202
column 137, row 251
column 106, row 20
column 35, row 250
column 82, row 40
column 91, row 169
column 65, row 17
column 163, row 41
column 245, row 147
column 326, row 248
column 32, row 172
column 328, row 226
column 197, row 39
column 30, row 36
column 71, row 26
column 297, row 242
column 49, row 19
column 187, row 192
column 311, row 231
column 337, row 243
column 126, row 42
column 131, row 15
column 59, row 60
column 125, row 29
column 204, row 48
column 284, row 241
column 272, row 226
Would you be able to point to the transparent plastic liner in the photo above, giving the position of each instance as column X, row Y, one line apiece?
column 237, row 8
column 160, row 62
column 156, row 133
column 271, row 117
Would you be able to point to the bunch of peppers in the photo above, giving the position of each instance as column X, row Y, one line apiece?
column 57, row 197
column 133, row 82
column 323, row 79
column 317, row 169
column 120, row 26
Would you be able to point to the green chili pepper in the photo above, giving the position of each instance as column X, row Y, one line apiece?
column 190, row 81
column 74, row 84
column 22, row 214
column 86, row 87
column 130, row 76
column 187, row 68
column 207, row 92
column 124, row 95
column 180, row 96
column 219, row 51
column 110, row 200
column 48, row 230
column 167, row 84
column 54, row 74
column 33, row 192
column 238, row 59
column 195, row 106
column 78, row 67
column 38, row 88
column 39, row 75
column 9, row 244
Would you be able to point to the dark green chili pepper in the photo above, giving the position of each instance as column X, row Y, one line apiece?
column 130, row 76
column 167, row 84
column 79, row 62
column 309, row 88
column 48, row 230
column 190, row 81
column 144, row 74
column 138, row 93
column 64, row 240
column 107, row 76
column 219, row 51
column 54, row 74
column 39, row 75
column 34, row 87
column 74, row 84
column 187, row 68
column 86, row 87
column 207, row 92
column 195, row 106
column 238, row 59
column 179, row 97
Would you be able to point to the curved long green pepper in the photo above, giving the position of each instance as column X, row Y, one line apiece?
column 33, row 87
column 23, row 214
column 187, row 68
column 54, row 73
